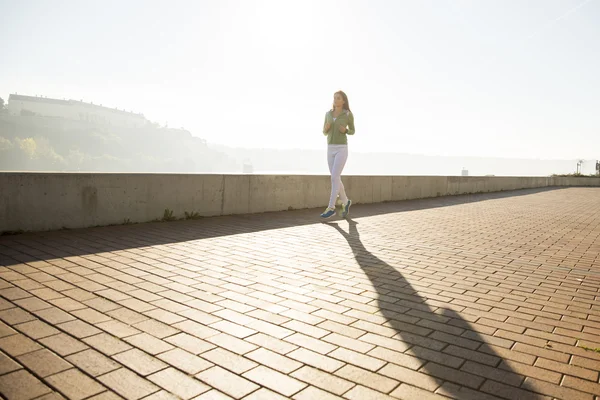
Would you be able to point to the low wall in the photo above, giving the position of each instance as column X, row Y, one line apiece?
column 48, row 201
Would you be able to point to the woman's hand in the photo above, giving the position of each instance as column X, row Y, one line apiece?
column 343, row 129
column 327, row 126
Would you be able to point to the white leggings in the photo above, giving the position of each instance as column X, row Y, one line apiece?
column 337, row 154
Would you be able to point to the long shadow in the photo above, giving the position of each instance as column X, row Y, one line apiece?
column 31, row 247
column 438, row 336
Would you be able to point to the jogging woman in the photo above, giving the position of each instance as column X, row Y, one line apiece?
column 339, row 123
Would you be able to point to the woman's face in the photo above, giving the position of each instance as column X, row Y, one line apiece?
column 338, row 100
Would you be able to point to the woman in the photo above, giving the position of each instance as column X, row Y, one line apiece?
column 339, row 123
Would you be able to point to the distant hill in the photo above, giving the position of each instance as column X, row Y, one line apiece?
column 35, row 143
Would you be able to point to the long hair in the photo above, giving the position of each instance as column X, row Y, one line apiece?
column 346, row 105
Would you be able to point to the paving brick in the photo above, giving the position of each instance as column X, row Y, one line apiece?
column 274, row 360
column 190, row 343
column 6, row 330
column 7, row 364
column 185, row 361
column 107, row 344
column 233, row 329
column 408, row 392
column 63, row 344
column 15, row 316
column 75, row 385
column 508, row 377
column 124, row 315
column 118, row 329
column 313, row 393
column 162, row 395
column 268, row 317
column 178, row 383
column 196, row 329
column 306, row 329
column 363, row 393
column 21, row 385
column 101, row 305
column 274, row 380
column 531, row 371
column 148, row 343
column 509, row 354
column 472, row 355
column 581, row 385
column 566, row 369
column 311, row 343
column 44, row 363
column 406, row 375
column 128, row 384
column 213, row 395
column 348, row 343
column 229, row 360
column 14, row 293
column 453, row 375
column 231, row 343
column 549, row 354
column 67, row 304
column 79, row 329
column 32, row 304
column 46, row 294
column 276, row 345
column 460, row 392
column 316, row 360
column 509, row 392
column 371, row 380
column 54, row 315
column 334, row 316
column 140, row 362
column 227, row 382
column 405, row 360
column 156, row 329
column 265, row 394
column 560, row 392
column 91, row 316
column 57, row 396
column 93, row 362
column 374, row 328
column 37, row 329
column 323, row 380
column 358, row 359
column 107, row 396
column 17, row 345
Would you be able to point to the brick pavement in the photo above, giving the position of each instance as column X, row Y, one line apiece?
column 472, row 297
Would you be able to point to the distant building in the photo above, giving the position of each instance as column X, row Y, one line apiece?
column 465, row 172
column 73, row 110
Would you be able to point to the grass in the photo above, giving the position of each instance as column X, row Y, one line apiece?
column 575, row 175
column 168, row 216
column 192, row 215
column 595, row 349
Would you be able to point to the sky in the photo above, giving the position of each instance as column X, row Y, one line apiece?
column 508, row 78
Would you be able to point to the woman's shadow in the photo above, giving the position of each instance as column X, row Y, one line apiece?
column 440, row 338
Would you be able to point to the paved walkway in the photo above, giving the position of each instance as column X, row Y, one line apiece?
column 471, row 297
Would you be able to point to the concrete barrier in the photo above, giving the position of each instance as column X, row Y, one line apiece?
column 49, row 201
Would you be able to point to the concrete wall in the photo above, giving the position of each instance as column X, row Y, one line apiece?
column 48, row 201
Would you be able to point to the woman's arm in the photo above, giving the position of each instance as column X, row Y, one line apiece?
column 326, row 126
column 351, row 129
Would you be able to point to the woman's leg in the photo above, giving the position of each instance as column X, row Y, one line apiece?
column 336, row 167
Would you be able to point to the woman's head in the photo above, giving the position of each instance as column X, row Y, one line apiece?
column 340, row 100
